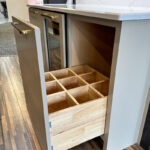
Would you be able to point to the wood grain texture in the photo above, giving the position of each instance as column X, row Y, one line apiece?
column 134, row 147
column 92, row 44
column 78, row 135
column 16, row 131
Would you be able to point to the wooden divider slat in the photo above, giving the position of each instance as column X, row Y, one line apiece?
column 48, row 77
column 81, row 69
column 72, row 82
column 65, row 89
column 101, row 87
column 78, row 77
column 89, row 84
column 74, row 72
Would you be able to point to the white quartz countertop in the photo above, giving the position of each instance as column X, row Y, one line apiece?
column 111, row 12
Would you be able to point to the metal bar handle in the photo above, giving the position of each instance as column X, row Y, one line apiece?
column 47, row 15
column 35, row 11
column 23, row 32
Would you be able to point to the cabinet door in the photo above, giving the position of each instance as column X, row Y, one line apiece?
column 28, row 43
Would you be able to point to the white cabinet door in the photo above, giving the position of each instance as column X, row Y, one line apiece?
column 28, row 42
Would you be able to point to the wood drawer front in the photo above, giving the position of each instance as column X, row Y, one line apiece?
column 78, row 115
column 78, row 135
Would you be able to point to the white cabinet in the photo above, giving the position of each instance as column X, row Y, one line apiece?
column 118, row 50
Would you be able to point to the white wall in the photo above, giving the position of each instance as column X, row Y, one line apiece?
column 17, row 8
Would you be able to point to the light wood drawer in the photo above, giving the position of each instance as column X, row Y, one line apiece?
column 77, row 101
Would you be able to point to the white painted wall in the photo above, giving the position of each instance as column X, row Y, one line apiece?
column 17, row 8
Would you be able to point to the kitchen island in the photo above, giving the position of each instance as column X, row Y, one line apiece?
column 119, row 13
column 115, row 41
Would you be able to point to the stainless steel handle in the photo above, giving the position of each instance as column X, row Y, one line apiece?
column 23, row 32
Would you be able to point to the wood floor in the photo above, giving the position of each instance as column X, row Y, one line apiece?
column 16, row 132
column 134, row 147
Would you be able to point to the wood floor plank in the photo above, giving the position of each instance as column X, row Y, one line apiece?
column 134, row 147
column 8, row 88
column 15, row 121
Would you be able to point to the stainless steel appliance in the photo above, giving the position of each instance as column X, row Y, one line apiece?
column 52, row 27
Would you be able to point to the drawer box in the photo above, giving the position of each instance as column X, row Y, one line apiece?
column 77, row 105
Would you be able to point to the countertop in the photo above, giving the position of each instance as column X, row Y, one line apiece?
column 119, row 13
column 2, row 0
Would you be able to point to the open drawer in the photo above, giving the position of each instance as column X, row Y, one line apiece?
column 77, row 110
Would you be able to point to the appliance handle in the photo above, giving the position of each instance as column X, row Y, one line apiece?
column 47, row 15
column 35, row 12
column 23, row 32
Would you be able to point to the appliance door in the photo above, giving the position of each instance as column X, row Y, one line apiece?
column 37, row 20
column 55, row 36
column 29, row 49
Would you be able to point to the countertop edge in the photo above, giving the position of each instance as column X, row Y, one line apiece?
column 109, row 16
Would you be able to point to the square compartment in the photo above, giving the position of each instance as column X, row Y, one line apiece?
column 59, row 101
column 63, row 73
column 93, row 77
column 82, row 69
column 102, row 87
column 48, row 77
column 53, row 87
column 72, row 82
column 84, row 94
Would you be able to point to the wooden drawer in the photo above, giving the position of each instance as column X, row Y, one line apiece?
column 77, row 99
